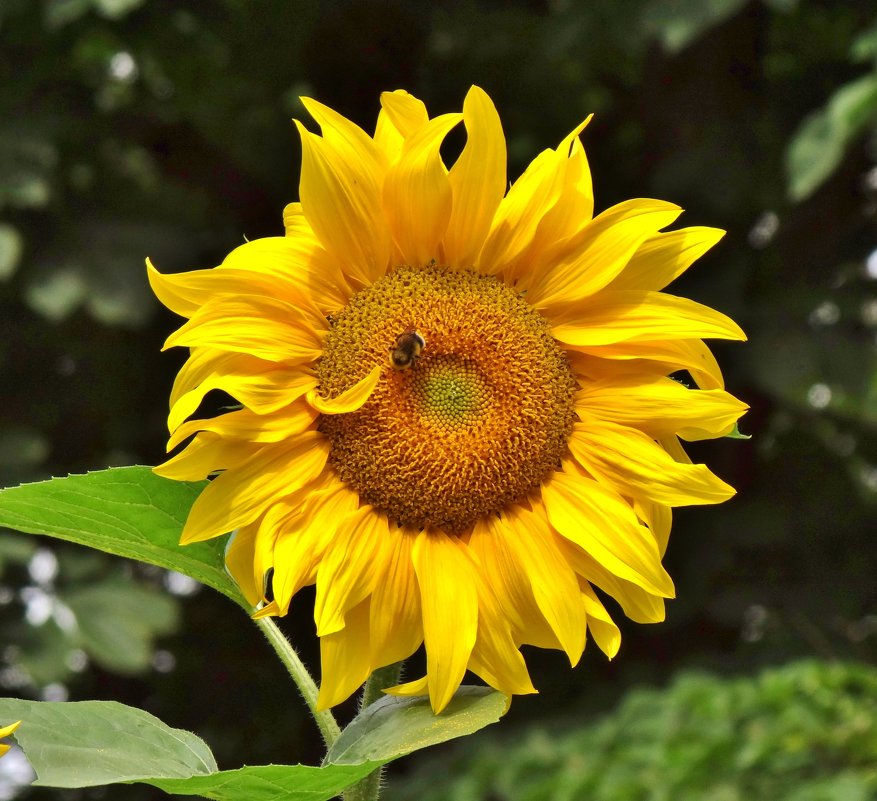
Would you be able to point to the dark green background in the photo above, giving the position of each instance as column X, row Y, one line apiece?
column 131, row 128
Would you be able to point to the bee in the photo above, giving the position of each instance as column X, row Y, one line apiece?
column 406, row 349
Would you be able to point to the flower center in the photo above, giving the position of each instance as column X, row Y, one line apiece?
column 472, row 420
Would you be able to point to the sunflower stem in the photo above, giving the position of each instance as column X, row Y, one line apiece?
column 370, row 787
column 306, row 685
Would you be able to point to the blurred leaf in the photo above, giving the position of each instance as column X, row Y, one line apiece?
column 15, row 550
column 819, row 144
column 118, row 621
column 114, row 9
column 11, row 245
column 784, row 6
column 679, row 23
column 41, row 653
column 58, row 295
column 22, row 448
column 61, row 12
column 126, row 511
column 92, row 743
column 393, row 727
column 865, row 45
column 27, row 161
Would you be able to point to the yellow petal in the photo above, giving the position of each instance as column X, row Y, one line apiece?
column 347, row 137
column 552, row 580
column 407, row 114
column 602, row 250
column 519, row 213
column 496, row 657
column 639, row 316
column 661, row 407
column 602, row 628
column 664, row 257
column 638, row 604
column 605, row 527
column 294, row 221
column 261, row 386
column 297, row 258
column 447, row 577
column 340, row 189
column 674, row 447
column 496, row 660
column 636, row 466
column 185, row 293
column 501, row 570
column 396, row 627
column 478, row 180
column 400, row 117
column 658, row 517
column 350, row 400
column 300, row 548
column 245, row 425
column 556, row 234
column 417, row 193
column 263, row 327
column 238, row 496
column 410, row 688
column 667, row 357
column 354, row 558
column 6, row 731
column 240, row 551
column 204, row 455
column 344, row 658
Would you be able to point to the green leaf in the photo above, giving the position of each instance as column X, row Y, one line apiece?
column 126, row 511
column 270, row 782
column 90, row 743
column 393, row 727
column 819, row 144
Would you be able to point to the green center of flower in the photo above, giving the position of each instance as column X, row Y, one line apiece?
column 457, row 429
column 450, row 391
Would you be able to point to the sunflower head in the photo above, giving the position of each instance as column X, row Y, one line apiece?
column 456, row 411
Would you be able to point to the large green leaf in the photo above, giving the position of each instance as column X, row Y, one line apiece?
column 126, row 511
column 91, row 743
column 393, row 727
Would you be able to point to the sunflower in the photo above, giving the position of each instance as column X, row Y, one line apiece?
column 454, row 411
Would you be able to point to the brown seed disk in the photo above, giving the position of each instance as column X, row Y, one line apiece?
column 479, row 420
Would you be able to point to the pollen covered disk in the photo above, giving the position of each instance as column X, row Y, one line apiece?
column 477, row 422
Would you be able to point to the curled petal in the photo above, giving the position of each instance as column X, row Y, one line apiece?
column 477, row 179
column 349, row 400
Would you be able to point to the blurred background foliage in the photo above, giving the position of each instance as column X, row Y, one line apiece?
column 156, row 127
